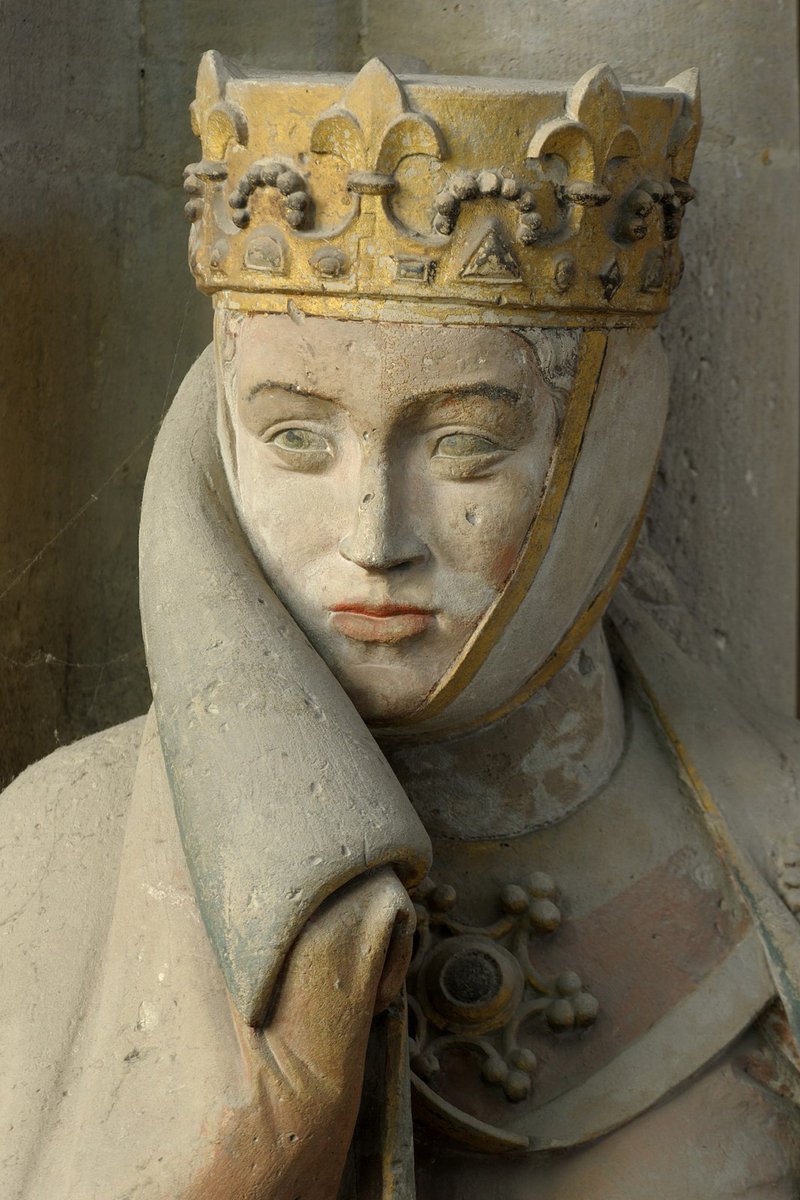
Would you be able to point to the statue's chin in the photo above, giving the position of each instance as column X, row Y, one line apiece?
column 383, row 692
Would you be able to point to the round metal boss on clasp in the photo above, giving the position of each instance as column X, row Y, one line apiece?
column 469, row 984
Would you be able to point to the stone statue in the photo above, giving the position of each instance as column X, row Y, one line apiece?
column 426, row 875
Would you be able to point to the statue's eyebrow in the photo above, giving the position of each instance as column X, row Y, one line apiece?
column 487, row 390
column 272, row 386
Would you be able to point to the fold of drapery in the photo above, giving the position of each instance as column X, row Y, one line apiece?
column 281, row 793
column 159, row 1088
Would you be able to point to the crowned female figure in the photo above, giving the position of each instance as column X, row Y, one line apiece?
column 436, row 868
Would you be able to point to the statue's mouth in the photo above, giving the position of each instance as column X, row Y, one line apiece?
column 380, row 622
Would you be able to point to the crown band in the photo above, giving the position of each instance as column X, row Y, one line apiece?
column 433, row 199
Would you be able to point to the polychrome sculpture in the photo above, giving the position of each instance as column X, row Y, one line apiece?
column 428, row 873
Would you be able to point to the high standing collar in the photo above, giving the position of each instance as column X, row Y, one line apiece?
column 281, row 794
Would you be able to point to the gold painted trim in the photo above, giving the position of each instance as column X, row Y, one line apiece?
column 568, row 444
column 701, row 795
column 581, row 187
column 776, row 925
column 405, row 308
column 572, row 639
column 396, row 1128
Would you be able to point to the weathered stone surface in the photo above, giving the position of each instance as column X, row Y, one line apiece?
column 725, row 512
column 99, row 324
column 375, row 554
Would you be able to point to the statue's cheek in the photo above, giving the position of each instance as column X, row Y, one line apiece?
column 481, row 527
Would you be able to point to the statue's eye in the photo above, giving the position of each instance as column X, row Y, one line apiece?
column 464, row 445
column 300, row 440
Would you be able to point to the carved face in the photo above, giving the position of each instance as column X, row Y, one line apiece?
column 386, row 476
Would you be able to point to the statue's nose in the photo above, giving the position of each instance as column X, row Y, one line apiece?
column 381, row 537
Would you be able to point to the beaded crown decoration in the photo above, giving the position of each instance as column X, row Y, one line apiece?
column 464, row 200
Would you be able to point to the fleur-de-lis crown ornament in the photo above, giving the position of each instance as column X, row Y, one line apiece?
column 373, row 130
column 436, row 199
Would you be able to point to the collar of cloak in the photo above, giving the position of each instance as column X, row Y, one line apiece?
column 281, row 793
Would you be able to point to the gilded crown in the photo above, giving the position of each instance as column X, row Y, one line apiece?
column 440, row 199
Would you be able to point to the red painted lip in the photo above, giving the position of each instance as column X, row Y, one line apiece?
column 382, row 610
column 387, row 623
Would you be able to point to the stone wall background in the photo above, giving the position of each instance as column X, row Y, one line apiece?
column 100, row 319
